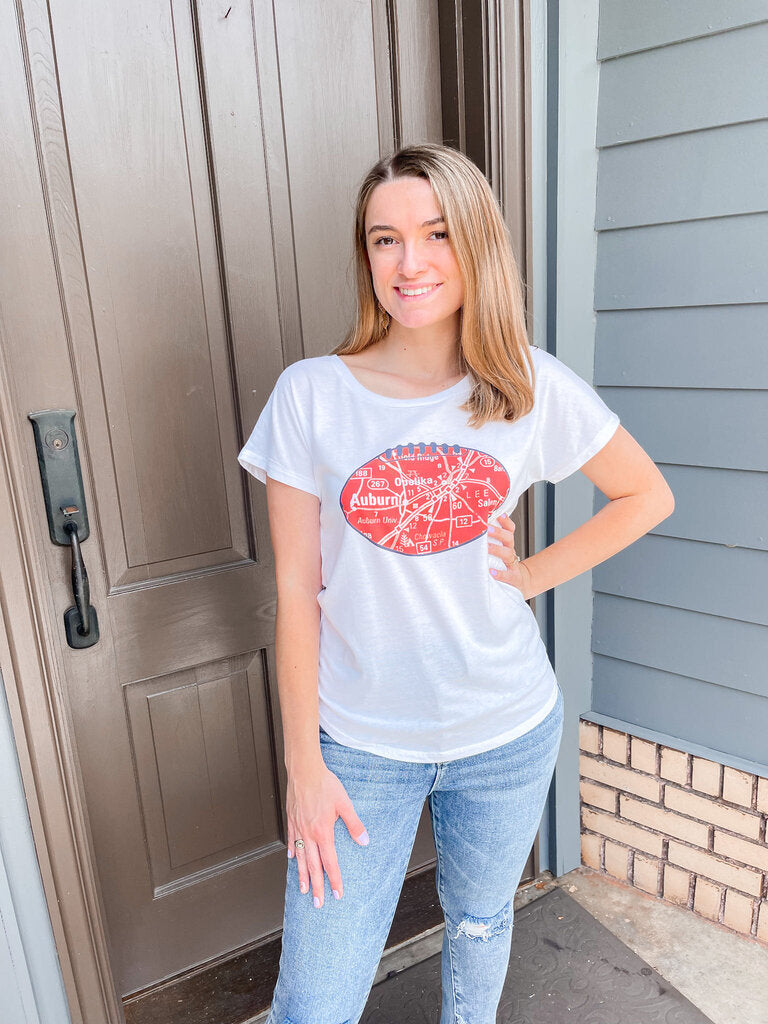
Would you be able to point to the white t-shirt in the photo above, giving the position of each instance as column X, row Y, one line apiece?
column 423, row 656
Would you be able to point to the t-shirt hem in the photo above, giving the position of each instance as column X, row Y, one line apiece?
column 432, row 757
column 598, row 441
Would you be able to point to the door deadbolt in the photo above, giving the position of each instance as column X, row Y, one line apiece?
column 59, row 464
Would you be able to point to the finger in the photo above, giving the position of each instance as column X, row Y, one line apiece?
column 505, row 531
column 331, row 867
column 505, row 552
column 355, row 827
column 301, row 863
column 508, row 555
column 291, row 838
column 505, row 548
column 316, row 876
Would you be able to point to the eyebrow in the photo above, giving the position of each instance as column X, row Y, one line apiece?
column 389, row 227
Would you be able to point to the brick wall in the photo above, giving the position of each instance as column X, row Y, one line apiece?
column 684, row 829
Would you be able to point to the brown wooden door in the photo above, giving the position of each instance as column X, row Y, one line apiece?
column 179, row 219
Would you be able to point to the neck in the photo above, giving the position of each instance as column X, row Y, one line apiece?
column 428, row 354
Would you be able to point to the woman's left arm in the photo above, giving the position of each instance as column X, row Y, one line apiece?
column 640, row 499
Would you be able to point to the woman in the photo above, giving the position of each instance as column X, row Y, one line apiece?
column 410, row 665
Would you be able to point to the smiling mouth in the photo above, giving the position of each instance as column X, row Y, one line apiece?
column 416, row 293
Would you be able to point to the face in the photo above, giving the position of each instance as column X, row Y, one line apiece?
column 409, row 250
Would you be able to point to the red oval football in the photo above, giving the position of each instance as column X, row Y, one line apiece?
column 423, row 498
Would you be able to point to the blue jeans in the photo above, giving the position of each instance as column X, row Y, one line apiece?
column 485, row 810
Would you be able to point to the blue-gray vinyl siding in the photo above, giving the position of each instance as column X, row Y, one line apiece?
column 680, row 629
column 627, row 26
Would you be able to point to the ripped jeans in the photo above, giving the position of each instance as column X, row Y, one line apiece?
column 485, row 811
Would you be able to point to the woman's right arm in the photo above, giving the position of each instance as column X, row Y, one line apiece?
column 315, row 796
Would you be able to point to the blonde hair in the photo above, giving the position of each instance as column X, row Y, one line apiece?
column 494, row 346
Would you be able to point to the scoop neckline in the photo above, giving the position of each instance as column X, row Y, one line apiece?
column 355, row 385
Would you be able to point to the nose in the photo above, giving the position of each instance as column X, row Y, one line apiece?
column 411, row 260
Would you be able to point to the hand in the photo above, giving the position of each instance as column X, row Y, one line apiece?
column 313, row 804
column 517, row 572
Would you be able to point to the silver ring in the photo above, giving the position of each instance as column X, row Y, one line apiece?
column 299, row 844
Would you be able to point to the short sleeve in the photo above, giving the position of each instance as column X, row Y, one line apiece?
column 278, row 445
column 572, row 422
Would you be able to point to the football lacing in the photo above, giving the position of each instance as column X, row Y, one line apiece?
column 421, row 448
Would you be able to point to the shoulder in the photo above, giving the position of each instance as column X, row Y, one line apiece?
column 544, row 367
column 310, row 369
column 552, row 373
column 306, row 376
column 544, row 362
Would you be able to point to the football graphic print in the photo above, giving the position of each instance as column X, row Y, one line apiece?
column 419, row 499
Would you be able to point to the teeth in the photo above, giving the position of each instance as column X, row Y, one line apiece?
column 416, row 291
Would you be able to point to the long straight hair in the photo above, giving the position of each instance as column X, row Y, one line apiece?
column 494, row 346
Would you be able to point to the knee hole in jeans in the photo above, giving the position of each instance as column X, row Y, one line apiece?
column 484, row 929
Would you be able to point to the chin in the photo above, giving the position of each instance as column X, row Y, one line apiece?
column 431, row 319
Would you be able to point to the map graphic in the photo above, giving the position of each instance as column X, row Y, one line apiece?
column 419, row 499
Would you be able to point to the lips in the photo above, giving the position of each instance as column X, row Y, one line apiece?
column 422, row 295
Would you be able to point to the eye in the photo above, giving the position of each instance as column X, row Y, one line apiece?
column 443, row 234
column 382, row 239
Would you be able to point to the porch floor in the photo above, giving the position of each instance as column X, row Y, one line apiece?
column 723, row 974
column 716, row 972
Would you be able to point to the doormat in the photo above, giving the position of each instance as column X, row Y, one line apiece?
column 564, row 967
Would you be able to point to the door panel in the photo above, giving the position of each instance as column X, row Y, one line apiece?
column 137, row 153
column 202, row 750
column 198, row 168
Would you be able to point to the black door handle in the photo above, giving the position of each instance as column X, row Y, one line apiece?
column 59, row 465
column 81, row 619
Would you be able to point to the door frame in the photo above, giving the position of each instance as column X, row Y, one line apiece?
column 501, row 92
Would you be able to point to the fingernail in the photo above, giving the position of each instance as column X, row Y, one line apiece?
column 316, row 900
column 290, row 853
column 304, row 888
column 494, row 572
column 364, row 838
column 336, row 893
